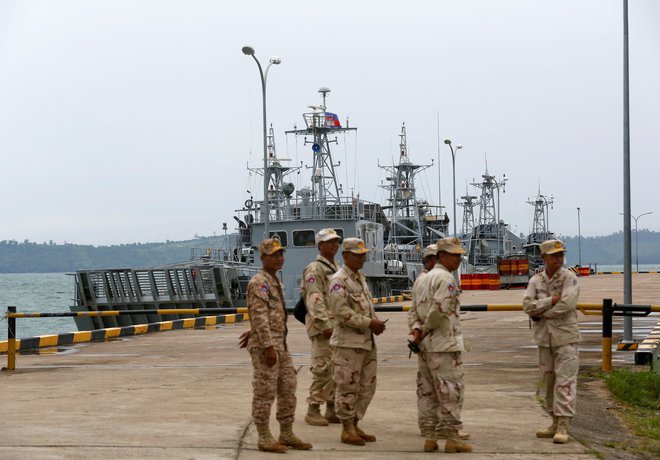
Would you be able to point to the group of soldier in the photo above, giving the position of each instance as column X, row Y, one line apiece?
column 341, row 323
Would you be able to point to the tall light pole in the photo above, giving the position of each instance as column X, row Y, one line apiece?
column 453, row 171
column 249, row 51
column 579, row 240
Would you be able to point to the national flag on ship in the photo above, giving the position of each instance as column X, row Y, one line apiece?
column 332, row 120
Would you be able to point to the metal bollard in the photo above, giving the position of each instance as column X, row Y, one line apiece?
column 607, row 335
column 11, row 340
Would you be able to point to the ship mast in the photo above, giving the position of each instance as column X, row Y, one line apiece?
column 540, row 225
column 279, row 191
column 468, row 204
column 320, row 123
column 411, row 222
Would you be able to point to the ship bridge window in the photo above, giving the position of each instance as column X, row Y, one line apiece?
column 303, row 238
column 281, row 235
column 307, row 238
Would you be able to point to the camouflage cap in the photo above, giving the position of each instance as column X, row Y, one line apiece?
column 452, row 245
column 552, row 247
column 430, row 250
column 354, row 245
column 270, row 246
column 326, row 234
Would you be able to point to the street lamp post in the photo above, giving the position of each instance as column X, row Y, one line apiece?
column 579, row 240
column 249, row 51
column 453, row 172
column 637, row 239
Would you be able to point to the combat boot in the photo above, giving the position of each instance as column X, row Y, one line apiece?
column 430, row 445
column 550, row 431
column 362, row 434
column 455, row 444
column 561, row 436
column 267, row 443
column 289, row 439
column 314, row 417
column 330, row 414
column 348, row 434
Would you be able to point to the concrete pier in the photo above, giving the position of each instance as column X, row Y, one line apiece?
column 186, row 394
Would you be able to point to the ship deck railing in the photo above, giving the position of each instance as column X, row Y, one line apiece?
column 296, row 209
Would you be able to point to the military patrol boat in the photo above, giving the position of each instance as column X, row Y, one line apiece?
column 218, row 278
column 490, row 239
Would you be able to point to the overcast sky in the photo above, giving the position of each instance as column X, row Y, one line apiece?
column 127, row 121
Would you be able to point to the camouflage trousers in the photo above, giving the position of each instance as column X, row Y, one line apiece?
column 269, row 382
column 322, row 388
column 560, row 366
column 355, row 377
column 440, row 391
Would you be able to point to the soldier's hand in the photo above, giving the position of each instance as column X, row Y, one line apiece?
column 417, row 335
column 270, row 356
column 243, row 339
column 535, row 318
column 377, row 326
column 327, row 334
column 555, row 299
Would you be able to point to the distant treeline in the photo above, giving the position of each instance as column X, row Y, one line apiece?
column 31, row 257
column 608, row 250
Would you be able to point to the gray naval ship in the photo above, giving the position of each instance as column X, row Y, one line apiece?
column 395, row 233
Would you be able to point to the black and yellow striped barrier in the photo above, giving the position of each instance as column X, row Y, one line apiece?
column 231, row 315
column 392, row 298
column 13, row 345
column 621, row 273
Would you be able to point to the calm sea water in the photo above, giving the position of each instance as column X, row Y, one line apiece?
column 53, row 292
column 36, row 292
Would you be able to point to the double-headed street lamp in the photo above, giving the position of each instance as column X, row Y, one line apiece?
column 453, row 171
column 579, row 240
column 636, row 238
column 249, row 51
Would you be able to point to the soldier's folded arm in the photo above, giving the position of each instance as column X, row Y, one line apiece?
column 532, row 306
column 349, row 317
column 567, row 302
column 260, row 320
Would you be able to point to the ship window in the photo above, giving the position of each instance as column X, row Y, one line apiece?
column 303, row 238
column 281, row 235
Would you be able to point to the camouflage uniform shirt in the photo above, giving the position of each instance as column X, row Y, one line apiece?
column 267, row 312
column 352, row 306
column 558, row 324
column 314, row 288
column 436, row 310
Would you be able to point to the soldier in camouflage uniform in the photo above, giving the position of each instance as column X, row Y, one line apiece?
column 274, row 374
column 551, row 302
column 434, row 320
column 353, row 346
column 320, row 323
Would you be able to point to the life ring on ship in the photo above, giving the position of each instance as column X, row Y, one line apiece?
column 248, row 203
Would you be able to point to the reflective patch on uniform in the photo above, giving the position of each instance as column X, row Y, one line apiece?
column 311, row 280
column 264, row 288
column 336, row 287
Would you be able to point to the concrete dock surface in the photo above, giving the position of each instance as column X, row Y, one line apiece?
column 186, row 394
